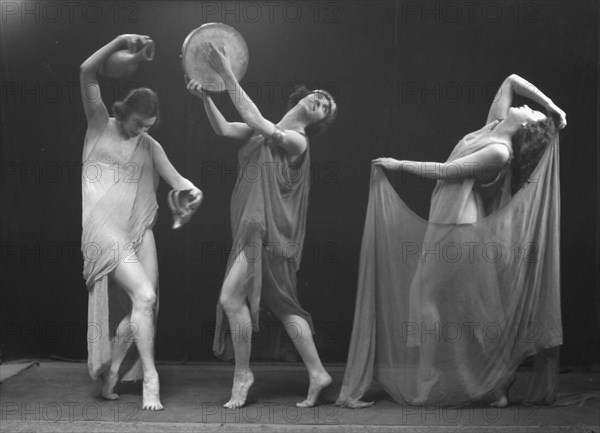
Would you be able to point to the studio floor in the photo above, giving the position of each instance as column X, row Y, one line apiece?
column 50, row 396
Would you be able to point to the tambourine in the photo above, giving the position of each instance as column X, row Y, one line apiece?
column 192, row 57
column 183, row 205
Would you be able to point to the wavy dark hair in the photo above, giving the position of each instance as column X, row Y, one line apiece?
column 142, row 100
column 321, row 126
column 529, row 144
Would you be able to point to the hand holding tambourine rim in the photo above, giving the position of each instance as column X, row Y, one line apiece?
column 227, row 40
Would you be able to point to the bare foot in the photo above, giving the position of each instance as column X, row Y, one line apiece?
column 502, row 393
column 501, row 401
column 359, row 404
column 109, row 380
column 317, row 384
column 425, row 387
column 242, row 381
column 151, row 393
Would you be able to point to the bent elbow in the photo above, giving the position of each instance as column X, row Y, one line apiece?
column 84, row 67
column 513, row 79
column 85, row 71
column 224, row 130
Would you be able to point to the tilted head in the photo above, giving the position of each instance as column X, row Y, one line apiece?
column 318, row 108
column 138, row 112
column 529, row 142
column 523, row 115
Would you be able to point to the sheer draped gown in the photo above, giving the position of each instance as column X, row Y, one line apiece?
column 268, row 221
column 448, row 308
column 118, row 207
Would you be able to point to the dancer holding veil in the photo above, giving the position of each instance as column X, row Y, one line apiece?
column 448, row 308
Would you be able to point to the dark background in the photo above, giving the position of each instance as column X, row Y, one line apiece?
column 411, row 78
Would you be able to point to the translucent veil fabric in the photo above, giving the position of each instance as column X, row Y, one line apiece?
column 446, row 312
column 268, row 223
column 119, row 205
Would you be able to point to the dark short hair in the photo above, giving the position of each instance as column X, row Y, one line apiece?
column 321, row 126
column 529, row 143
column 142, row 100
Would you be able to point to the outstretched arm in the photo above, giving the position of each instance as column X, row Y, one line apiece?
column 515, row 85
column 293, row 142
column 483, row 165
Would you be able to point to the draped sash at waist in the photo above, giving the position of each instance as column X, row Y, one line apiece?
column 119, row 205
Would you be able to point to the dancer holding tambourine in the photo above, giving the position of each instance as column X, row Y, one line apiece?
column 268, row 219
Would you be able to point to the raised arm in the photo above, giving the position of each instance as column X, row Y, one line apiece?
column 292, row 141
column 515, row 85
column 220, row 125
column 95, row 110
column 483, row 165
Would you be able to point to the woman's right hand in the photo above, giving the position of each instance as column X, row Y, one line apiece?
column 218, row 59
column 388, row 163
column 195, row 88
column 134, row 42
column 196, row 196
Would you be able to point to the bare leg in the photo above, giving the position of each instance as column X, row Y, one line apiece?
column 301, row 335
column 427, row 375
column 121, row 344
column 501, row 393
column 140, row 284
column 233, row 300
column 542, row 388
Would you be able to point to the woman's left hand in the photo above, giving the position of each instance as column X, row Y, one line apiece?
column 217, row 60
column 197, row 197
column 388, row 163
column 562, row 116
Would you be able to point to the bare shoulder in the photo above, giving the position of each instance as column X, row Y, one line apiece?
column 292, row 141
column 151, row 142
column 298, row 136
column 498, row 152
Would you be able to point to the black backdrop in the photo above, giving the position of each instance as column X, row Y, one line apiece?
column 410, row 78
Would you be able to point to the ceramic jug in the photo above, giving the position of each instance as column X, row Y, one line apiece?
column 123, row 63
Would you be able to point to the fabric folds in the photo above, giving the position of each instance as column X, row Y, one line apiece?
column 119, row 206
column 447, row 309
column 268, row 220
